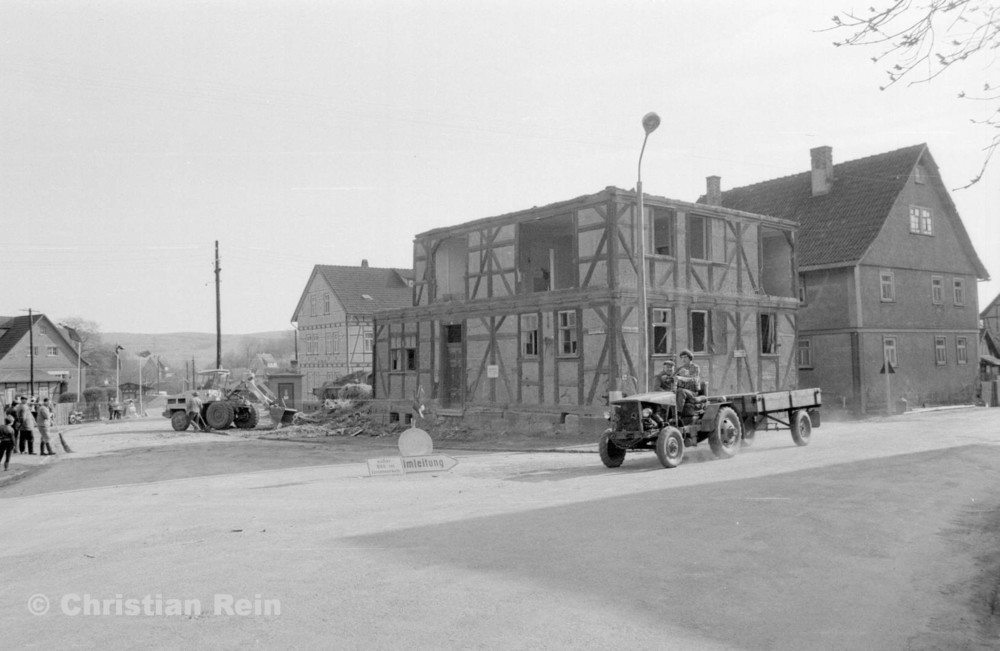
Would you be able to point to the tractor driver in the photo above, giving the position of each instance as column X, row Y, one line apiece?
column 688, row 377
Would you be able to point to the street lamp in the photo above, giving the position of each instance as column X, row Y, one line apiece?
column 142, row 358
column 118, row 374
column 650, row 122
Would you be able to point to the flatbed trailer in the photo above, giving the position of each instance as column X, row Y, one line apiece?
column 776, row 410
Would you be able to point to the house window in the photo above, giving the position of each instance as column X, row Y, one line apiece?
column 698, row 239
column 959, row 289
column 547, row 254
column 802, row 290
column 888, row 286
column 921, row 221
column 312, row 305
column 700, row 329
column 403, row 353
column 369, row 340
column 940, row 350
column 329, row 343
column 937, row 290
column 889, row 351
column 335, row 347
column 768, row 334
column 663, row 331
column 567, row 332
column 805, row 353
column 529, row 335
column 663, row 231
column 326, row 303
column 51, row 351
column 962, row 350
column 919, row 175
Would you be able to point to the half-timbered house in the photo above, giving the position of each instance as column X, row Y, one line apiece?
column 538, row 313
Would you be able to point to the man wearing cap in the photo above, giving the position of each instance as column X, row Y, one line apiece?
column 688, row 376
column 664, row 380
column 27, row 427
column 193, row 408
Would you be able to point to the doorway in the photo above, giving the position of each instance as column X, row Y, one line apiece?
column 453, row 380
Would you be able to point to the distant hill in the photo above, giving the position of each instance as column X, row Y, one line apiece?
column 179, row 347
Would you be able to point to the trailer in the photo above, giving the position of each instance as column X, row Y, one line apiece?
column 651, row 421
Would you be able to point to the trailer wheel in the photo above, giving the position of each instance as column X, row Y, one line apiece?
column 749, row 431
column 179, row 421
column 725, row 438
column 611, row 454
column 219, row 415
column 670, row 447
column 802, row 427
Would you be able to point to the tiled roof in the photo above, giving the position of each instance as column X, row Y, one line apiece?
column 14, row 328
column 837, row 227
column 365, row 290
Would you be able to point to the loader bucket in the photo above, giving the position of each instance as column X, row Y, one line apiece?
column 281, row 416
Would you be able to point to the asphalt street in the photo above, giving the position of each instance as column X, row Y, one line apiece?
column 880, row 534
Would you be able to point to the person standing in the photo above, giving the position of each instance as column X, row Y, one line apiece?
column 26, row 429
column 193, row 407
column 44, row 423
column 6, row 440
column 11, row 411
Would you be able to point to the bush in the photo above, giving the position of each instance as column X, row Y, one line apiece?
column 355, row 392
column 69, row 396
column 95, row 394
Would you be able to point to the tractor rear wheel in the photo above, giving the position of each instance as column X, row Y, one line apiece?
column 219, row 415
column 247, row 418
column 725, row 438
column 670, row 447
column 802, row 427
column 611, row 454
column 179, row 421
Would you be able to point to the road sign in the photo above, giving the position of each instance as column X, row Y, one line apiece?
column 429, row 463
column 385, row 466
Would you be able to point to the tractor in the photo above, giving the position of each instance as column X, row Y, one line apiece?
column 225, row 404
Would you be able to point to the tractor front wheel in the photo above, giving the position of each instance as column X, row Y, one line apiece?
column 670, row 447
column 611, row 454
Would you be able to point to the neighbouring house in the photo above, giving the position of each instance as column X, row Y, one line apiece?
column 37, row 357
column 264, row 363
column 333, row 319
column 535, row 316
column 887, row 278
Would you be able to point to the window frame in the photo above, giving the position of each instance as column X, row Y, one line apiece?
column 768, row 345
column 937, row 290
column 369, row 340
column 706, row 237
column 567, row 333
column 402, row 352
column 528, row 335
column 958, row 291
column 666, row 323
column 889, row 351
column 961, row 349
column 659, row 216
column 921, row 221
column 940, row 350
column 52, row 351
column 883, row 274
column 804, row 345
column 706, row 332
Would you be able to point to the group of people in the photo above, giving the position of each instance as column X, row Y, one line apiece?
column 683, row 380
column 22, row 420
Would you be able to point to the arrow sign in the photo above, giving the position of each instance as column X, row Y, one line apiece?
column 429, row 463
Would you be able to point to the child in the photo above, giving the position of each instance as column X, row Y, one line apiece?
column 6, row 440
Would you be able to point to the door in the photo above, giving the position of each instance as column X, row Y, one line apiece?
column 286, row 392
column 454, row 367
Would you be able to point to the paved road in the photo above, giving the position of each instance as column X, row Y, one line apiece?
column 882, row 534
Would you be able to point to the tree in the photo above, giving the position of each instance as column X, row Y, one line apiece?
column 922, row 41
column 88, row 331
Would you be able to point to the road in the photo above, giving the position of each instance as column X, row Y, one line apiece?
column 882, row 534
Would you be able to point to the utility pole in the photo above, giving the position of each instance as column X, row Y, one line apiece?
column 31, row 354
column 218, row 311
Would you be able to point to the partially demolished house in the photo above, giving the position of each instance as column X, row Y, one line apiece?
column 536, row 314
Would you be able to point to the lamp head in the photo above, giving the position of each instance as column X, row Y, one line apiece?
column 650, row 122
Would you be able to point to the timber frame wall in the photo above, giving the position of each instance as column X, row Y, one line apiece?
column 467, row 346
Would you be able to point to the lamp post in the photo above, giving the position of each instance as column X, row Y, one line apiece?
column 142, row 358
column 650, row 122
column 118, row 374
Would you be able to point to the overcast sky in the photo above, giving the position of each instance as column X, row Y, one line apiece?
column 135, row 134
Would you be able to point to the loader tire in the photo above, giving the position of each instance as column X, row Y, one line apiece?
column 247, row 418
column 219, row 415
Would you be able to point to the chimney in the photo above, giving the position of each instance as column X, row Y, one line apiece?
column 364, row 264
column 822, row 170
column 713, row 194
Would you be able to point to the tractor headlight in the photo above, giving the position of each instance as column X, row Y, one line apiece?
column 607, row 415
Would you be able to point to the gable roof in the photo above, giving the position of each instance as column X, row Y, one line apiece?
column 362, row 291
column 15, row 328
column 840, row 226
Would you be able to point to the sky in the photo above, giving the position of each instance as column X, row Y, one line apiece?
column 136, row 134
